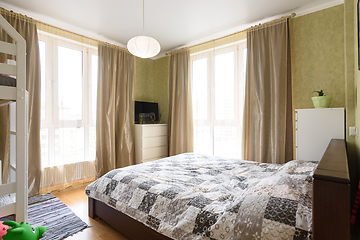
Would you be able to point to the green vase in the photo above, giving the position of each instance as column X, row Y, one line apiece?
column 321, row 101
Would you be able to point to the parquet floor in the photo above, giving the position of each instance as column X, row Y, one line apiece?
column 75, row 198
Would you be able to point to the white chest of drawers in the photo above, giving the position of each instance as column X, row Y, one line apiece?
column 314, row 130
column 151, row 142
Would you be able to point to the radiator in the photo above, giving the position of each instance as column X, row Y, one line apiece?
column 66, row 174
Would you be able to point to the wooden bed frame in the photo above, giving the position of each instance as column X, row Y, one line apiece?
column 331, row 202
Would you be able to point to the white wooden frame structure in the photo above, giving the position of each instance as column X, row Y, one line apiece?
column 20, row 95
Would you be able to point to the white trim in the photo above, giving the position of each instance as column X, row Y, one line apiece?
column 8, row 93
column 8, row 48
column 8, row 209
column 52, row 121
column 238, row 97
column 7, row 69
column 7, row 188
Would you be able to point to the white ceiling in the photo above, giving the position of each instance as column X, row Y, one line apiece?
column 174, row 23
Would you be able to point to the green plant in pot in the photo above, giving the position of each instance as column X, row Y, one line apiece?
column 321, row 101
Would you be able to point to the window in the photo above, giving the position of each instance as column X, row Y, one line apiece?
column 218, row 84
column 68, row 100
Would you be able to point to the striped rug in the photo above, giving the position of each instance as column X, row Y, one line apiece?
column 48, row 211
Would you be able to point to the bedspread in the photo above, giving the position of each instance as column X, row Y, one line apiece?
column 193, row 196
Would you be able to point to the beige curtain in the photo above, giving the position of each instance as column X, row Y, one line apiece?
column 267, row 133
column 27, row 28
column 115, row 111
column 4, row 142
column 180, row 122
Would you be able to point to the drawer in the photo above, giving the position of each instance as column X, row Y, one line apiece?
column 150, row 142
column 155, row 152
column 151, row 131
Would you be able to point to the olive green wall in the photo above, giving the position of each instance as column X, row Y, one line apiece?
column 352, row 81
column 151, row 83
column 323, row 49
column 317, row 56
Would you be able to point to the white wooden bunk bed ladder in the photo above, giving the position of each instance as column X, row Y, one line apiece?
column 18, row 93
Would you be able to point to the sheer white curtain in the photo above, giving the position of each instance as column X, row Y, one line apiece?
column 218, row 84
column 68, row 107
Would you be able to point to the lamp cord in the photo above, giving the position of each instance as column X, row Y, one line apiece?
column 143, row 18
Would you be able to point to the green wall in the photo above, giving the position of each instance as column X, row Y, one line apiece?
column 352, row 81
column 325, row 56
column 323, row 49
column 151, row 83
column 317, row 56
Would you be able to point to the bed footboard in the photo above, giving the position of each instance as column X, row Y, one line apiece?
column 331, row 194
column 331, row 202
column 125, row 224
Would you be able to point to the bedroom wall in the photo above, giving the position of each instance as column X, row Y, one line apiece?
column 151, row 83
column 354, row 73
column 317, row 56
column 323, row 48
column 324, row 56
column 352, row 78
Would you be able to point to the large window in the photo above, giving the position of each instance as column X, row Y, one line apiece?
column 68, row 100
column 218, row 84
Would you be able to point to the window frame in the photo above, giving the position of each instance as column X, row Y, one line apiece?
column 52, row 121
column 239, row 89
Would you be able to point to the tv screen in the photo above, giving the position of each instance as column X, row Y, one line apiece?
column 146, row 107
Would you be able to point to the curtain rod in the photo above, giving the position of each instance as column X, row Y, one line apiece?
column 291, row 16
column 43, row 25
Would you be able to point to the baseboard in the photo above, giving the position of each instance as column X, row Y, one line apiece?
column 74, row 184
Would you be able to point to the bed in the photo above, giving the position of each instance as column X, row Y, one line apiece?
column 192, row 196
column 13, row 197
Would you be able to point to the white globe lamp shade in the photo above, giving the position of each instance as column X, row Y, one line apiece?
column 143, row 46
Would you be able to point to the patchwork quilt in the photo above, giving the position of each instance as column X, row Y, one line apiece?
column 193, row 196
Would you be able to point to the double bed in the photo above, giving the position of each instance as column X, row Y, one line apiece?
column 192, row 196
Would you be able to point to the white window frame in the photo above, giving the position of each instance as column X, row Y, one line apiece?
column 239, row 89
column 52, row 120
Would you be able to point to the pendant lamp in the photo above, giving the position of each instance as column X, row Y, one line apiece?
column 143, row 46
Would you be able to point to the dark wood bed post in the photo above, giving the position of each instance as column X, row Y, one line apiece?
column 91, row 206
column 331, row 194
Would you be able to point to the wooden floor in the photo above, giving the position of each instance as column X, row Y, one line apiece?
column 76, row 200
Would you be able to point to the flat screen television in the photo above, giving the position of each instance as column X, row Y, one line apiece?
column 146, row 107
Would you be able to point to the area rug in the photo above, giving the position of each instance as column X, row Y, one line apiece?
column 48, row 211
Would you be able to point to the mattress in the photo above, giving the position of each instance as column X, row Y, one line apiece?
column 7, row 81
column 192, row 196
